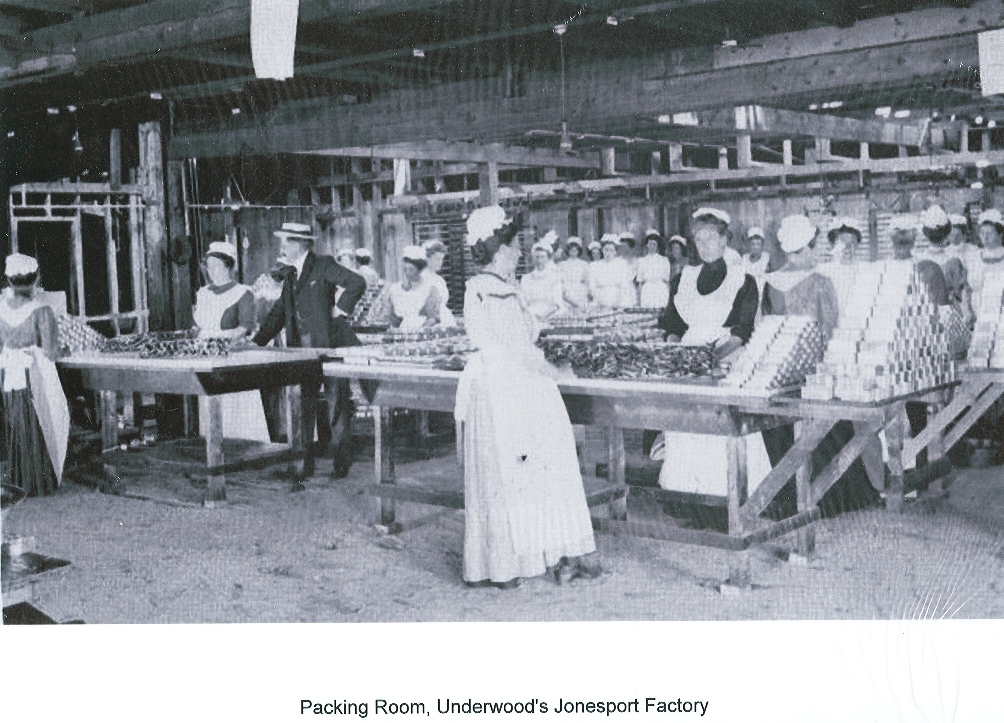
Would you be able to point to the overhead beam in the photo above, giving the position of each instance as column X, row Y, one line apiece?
column 466, row 153
column 602, row 95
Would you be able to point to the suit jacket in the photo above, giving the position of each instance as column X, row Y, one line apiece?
column 305, row 307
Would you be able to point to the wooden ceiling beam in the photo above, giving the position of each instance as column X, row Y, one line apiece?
column 466, row 153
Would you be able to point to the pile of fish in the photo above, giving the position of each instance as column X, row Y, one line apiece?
column 168, row 345
column 631, row 360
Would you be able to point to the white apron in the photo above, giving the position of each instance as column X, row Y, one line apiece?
column 699, row 462
column 243, row 415
column 407, row 304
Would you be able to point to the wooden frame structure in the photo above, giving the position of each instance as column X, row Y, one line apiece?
column 619, row 405
column 66, row 204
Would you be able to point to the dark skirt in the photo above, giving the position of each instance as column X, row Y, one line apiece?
column 26, row 462
column 853, row 491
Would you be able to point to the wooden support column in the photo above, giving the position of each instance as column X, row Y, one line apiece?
column 674, row 155
column 111, row 259
column 786, row 154
column 608, row 161
column 806, row 536
column 739, row 564
column 964, row 138
column 550, row 174
column 656, row 163
column 383, row 437
column 985, row 141
column 488, row 182
column 216, row 494
column 138, row 262
column 296, row 435
column 822, row 149
column 357, row 191
column 723, row 159
column 616, row 471
column 151, row 178
column 115, row 159
column 895, row 432
column 903, row 152
column 181, row 282
column 744, row 151
column 402, row 176
column 863, row 155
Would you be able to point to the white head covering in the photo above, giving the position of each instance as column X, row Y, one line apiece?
column 222, row 248
column 795, row 233
column 652, row 233
column 550, row 238
column 957, row 219
column 934, row 217
column 992, row 215
column 20, row 265
column 343, row 252
column 609, row 238
column 573, row 240
column 299, row 231
column 756, row 232
column 434, row 247
column 677, row 238
column 542, row 245
column 713, row 212
column 903, row 222
column 484, row 222
column 364, row 253
column 594, row 244
column 626, row 235
column 413, row 253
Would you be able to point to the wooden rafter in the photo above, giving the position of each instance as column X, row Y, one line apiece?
column 467, row 153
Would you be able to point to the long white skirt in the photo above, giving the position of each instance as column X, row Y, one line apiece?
column 699, row 463
column 525, row 506
column 243, row 416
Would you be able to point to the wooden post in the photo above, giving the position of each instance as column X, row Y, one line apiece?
column 137, row 263
column 723, row 159
column 108, row 408
column 739, row 562
column 151, row 178
column 383, row 437
column 985, row 141
column 675, row 156
column 357, row 191
column 111, row 260
column 655, row 164
column 744, row 151
column 115, row 159
column 806, row 535
column 296, row 435
column 488, row 182
column 903, row 152
column 402, row 176
column 217, row 492
column 786, row 154
column 608, row 161
column 894, row 434
column 964, row 138
column 78, row 264
column 616, row 471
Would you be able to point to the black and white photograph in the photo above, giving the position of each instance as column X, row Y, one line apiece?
column 447, row 311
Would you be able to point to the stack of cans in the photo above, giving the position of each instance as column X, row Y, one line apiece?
column 987, row 347
column 890, row 341
column 781, row 352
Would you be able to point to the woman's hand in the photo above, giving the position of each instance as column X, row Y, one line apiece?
column 727, row 347
column 673, row 339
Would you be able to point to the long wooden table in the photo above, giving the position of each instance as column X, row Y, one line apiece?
column 619, row 405
column 209, row 377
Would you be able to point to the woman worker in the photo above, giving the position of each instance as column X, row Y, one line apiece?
column 991, row 256
column 525, row 508
column 799, row 289
column 36, row 417
column 843, row 240
column 363, row 258
column 435, row 255
column 542, row 286
column 716, row 304
column 225, row 308
column 574, row 271
column 413, row 303
column 955, row 312
column 611, row 282
column 678, row 260
column 653, row 273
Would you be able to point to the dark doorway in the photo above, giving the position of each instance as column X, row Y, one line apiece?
column 51, row 243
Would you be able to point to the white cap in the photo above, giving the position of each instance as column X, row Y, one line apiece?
column 343, row 252
column 573, row 240
column 678, row 238
column 652, row 233
column 364, row 253
column 795, row 233
column 20, row 265
column 934, row 217
column 957, row 219
column 299, row 231
column 484, row 222
column 594, row 244
column 222, row 248
column 713, row 212
column 756, row 232
column 992, row 215
column 550, row 238
column 609, row 238
column 413, row 253
column 542, row 245
column 625, row 235
column 903, row 222
column 434, row 247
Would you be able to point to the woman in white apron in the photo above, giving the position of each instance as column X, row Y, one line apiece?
column 756, row 261
column 653, row 274
column 574, row 272
column 36, row 417
column 542, row 287
column 225, row 308
column 413, row 303
column 716, row 303
column 435, row 255
column 525, row 508
column 955, row 313
column 611, row 282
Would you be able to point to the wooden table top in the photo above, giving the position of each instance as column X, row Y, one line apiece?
column 247, row 358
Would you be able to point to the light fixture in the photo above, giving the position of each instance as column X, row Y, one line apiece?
column 834, row 104
column 417, row 53
column 977, row 185
column 978, row 120
column 664, row 120
column 952, row 118
column 905, row 113
column 235, row 111
column 611, row 20
column 77, row 145
column 883, row 112
column 729, row 43
column 560, row 29
column 71, row 108
column 814, row 106
column 53, row 111
column 991, row 124
column 156, row 96
column 686, row 119
column 10, row 134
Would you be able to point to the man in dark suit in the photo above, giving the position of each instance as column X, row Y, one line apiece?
column 311, row 316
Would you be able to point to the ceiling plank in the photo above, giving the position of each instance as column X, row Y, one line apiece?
column 466, row 153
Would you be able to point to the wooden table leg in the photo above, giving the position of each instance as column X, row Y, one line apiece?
column 295, row 437
column 383, row 437
column 423, row 434
column 894, row 434
column 805, row 536
column 936, row 447
column 217, row 492
column 739, row 563
column 108, row 403
column 616, row 471
column 871, row 457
